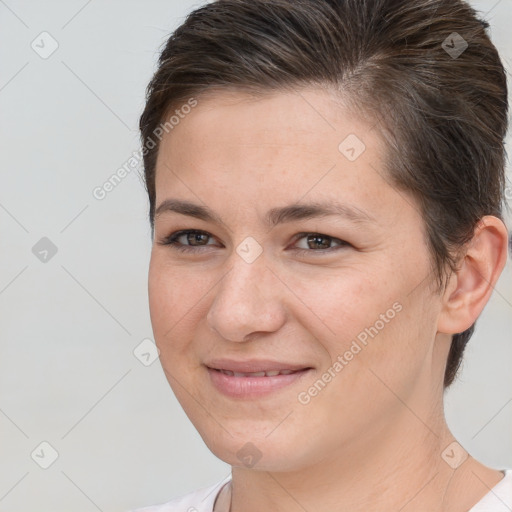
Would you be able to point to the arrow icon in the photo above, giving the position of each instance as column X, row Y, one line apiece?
column 44, row 45
column 249, row 249
column 44, row 250
column 454, row 45
column 44, row 455
column 146, row 352
column 351, row 147
column 454, row 455
column 249, row 454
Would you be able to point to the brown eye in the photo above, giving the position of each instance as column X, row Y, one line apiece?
column 319, row 243
column 188, row 240
column 196, row 238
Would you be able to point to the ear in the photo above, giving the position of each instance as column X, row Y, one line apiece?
column 472, row 284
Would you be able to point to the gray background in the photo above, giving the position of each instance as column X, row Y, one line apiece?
column 69, row 326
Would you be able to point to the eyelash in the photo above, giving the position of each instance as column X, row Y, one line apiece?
column 171, row 241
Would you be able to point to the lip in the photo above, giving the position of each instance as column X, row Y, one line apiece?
column 243, row 387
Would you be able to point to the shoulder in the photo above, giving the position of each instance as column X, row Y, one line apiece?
column 499, row 498
column 201, row 500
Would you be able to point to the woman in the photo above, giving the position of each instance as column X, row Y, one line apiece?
column 326, row 183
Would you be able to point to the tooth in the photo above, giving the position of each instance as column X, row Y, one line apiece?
column 271, row 373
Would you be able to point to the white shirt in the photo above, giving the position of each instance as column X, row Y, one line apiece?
column 498, row 499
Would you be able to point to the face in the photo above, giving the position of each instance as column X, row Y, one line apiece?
column 243, row 282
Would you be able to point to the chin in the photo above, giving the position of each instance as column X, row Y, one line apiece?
column 247, row 450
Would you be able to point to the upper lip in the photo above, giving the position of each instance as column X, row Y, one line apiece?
column 253, row 365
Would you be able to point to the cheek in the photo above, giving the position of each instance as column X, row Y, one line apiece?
column 391, row 337
column 342, row 302
column 173, row 300
column 381, row 342
column 369, row 315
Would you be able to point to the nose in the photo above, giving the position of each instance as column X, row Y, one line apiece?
column 249, row 299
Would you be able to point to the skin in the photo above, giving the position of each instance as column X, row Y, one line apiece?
column 373, row 437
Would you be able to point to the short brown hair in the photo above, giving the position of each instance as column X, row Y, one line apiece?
column 426, row 69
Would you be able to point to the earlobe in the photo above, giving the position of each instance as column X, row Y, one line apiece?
column 472, row 284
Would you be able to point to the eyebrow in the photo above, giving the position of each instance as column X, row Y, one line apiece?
column 275, row 216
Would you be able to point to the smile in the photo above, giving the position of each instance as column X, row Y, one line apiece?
column 257, row 384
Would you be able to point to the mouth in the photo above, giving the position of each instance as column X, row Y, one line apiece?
column 254, row 379
column 269, row 373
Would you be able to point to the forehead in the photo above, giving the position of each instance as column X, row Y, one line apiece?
column 236, row 131
column 307, row 116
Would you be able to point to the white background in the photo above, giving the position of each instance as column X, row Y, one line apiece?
column 68, row 327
